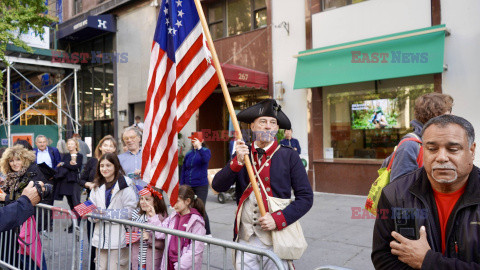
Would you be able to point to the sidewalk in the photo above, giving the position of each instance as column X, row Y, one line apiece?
column 333, row 236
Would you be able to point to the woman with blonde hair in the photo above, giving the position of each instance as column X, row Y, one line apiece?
column 16, row 164
column 67, row 181
column 19, row 166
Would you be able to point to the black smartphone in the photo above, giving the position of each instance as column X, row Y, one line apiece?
column 406, row 222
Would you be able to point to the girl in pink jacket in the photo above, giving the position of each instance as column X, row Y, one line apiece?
column 151, row 210
column 188, row 217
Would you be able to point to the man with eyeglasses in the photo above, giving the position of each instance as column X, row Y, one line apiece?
column 280, row 171
column 131, row 160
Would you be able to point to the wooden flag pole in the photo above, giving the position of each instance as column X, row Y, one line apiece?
column 228, row 100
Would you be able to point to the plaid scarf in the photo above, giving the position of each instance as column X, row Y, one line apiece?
column 12, row 180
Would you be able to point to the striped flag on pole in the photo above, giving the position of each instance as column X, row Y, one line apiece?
column 181, row 78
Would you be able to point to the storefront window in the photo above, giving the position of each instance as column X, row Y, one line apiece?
column 367, row 120
column 330, row 4
column 215, row 20
column 77, row 6
column 96, row 88
column 239, row 16
column 260, row 13
column 234, row 17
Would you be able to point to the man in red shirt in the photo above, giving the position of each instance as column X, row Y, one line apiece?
column 446, row 191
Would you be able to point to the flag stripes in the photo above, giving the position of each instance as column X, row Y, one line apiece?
column 180, row 79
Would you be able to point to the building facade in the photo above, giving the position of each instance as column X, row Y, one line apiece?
column 321, row 59
column 242, row 33
column 38, row 92
column 425, row 46
column 114, row 57
column 114, row 92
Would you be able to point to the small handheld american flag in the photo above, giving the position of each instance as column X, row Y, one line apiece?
column 85, row 208
column 135, row 237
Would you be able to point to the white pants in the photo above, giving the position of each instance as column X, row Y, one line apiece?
column 113, row 259
column 252, row 261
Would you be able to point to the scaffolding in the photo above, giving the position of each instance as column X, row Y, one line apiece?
column 17, row 64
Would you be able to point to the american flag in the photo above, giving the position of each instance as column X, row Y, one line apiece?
column 135, row 237
column 181, row 78
column 85, row 208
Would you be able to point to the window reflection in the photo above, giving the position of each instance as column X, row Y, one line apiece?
column 364, row 121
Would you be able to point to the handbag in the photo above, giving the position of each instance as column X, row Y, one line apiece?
column 61, row 173
column 383, row 178
column 289, row 243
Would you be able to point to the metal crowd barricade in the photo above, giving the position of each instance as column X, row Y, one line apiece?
column 58, row 246
column 85, row 245
column 63, row 250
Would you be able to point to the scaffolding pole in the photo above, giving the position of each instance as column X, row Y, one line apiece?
column 59, row 109
column 58, row 88
column 76, row 98
column 8, row 107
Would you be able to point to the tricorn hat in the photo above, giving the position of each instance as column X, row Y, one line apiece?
column 267, row 107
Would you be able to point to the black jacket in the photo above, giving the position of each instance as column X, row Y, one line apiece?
column 413, row 190
column 66, row 184
column 88, row 174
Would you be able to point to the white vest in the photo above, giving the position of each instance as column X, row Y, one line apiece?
column 249, row 223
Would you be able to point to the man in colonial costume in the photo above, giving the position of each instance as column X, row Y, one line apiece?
column 280, row 170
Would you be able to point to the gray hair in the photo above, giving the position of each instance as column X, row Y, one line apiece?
column 40, row 136
column 448, row 119
column 137, row 131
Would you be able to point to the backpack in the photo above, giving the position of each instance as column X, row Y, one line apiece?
column 383, row 178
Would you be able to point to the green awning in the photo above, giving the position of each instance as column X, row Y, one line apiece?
column 403, row 54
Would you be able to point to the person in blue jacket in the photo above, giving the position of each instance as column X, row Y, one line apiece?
column 194, row 170
column 280, row 171
column 16, row 213
column 45, row 153
column 290, row 141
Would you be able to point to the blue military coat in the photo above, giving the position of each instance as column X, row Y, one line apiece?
column 284, row 173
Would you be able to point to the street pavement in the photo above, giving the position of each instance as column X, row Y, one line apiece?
column 338, row 232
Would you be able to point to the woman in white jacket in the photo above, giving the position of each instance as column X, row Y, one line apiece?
column 115, row 197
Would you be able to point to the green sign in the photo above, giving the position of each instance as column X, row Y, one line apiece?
column 50, row 131
column 403, row 54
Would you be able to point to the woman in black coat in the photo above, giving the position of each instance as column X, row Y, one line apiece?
column 67, row 175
